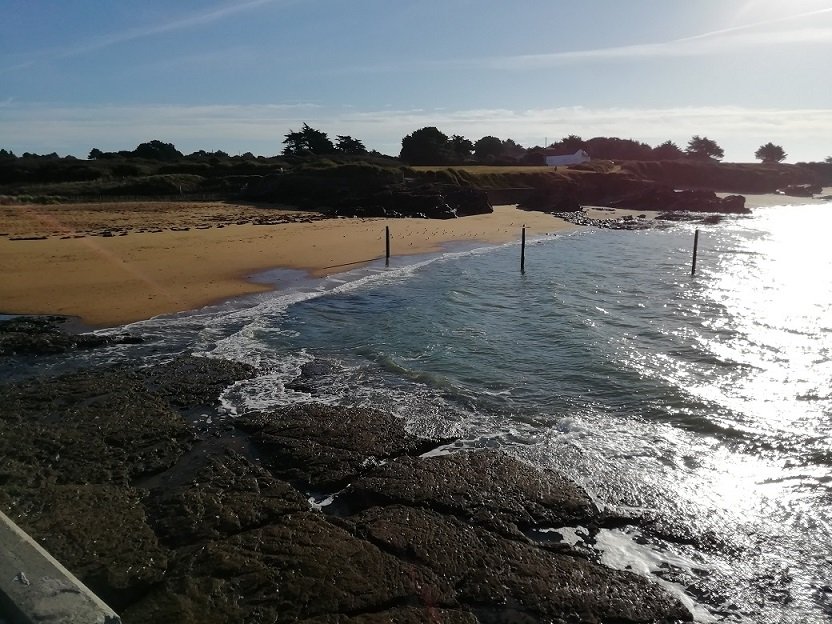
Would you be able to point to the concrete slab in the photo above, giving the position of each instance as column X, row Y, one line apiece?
column 34, row 587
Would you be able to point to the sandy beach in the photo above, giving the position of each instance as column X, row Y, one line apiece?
column 111, row 264
column 114, row 263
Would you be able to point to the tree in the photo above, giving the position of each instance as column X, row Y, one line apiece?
column 770, row 153
column 348, row 145
column 426, row 146
column 7, row 154
column 534, row 156
column 613, row 148
column 512, row 149
column 488, row 148
column 307, row 140
column 828, row 159
column 570, row 144
column 703, row 148
column 667, row 151
column 461, row 148
column 157, row 150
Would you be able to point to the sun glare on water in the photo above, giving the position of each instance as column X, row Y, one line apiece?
column 777, row 290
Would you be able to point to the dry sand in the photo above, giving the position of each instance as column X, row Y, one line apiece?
column 111, row 264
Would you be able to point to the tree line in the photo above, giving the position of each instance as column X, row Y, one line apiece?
column 430, row 146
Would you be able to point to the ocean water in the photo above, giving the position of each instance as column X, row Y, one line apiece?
column 701, row 404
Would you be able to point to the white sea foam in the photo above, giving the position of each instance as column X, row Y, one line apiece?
column 319, row 503
column 620, row 551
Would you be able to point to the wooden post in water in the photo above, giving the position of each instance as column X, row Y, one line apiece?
column 695, row 247
column 523, row 251
column 387, row 245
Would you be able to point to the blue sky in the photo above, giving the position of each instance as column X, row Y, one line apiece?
column 237, row 76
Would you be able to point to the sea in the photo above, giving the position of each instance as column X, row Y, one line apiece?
column 699, row 404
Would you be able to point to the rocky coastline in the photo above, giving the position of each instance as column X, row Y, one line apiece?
column 133, row 479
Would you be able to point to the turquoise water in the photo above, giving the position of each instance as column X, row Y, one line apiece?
column 703, row 405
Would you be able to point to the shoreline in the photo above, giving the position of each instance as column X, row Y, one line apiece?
column 112, row 279
column 113, row 264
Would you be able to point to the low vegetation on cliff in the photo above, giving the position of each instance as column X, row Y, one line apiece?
column 435, row 175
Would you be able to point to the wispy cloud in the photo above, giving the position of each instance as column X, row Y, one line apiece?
column 721, row 41
column 805, row 133
column 189, row 21
column 193, row 20
column 757, row 24
column 691, row 46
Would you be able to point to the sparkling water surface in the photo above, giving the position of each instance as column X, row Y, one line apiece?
column 702, row 404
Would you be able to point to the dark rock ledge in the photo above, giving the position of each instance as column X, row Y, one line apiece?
column 42, row 335
column 103, row 468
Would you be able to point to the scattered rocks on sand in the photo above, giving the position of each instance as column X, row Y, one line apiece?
column 627, row 222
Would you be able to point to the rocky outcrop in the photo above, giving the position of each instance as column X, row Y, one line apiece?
column 43, row 335
column 801, row 190
column 169, row 524
column 466, row 486
column 669, row 200
column 323, row 447
column 368, row 191
column 722, row 177
column 504, row 580
column 616, row 190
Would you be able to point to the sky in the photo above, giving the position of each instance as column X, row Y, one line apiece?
column 238, row 75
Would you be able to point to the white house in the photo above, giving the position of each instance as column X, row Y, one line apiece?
column 570, row 159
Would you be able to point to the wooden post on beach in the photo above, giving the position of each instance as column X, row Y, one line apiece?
column 387, row 244
column 695, row 246
column 523, row 251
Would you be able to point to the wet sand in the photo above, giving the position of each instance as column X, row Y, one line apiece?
column 114, row 263
column 111, row 264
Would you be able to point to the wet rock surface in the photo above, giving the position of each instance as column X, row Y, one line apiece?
column 505, row 580
column 485, row 488
column 323, row 447
column 28, row 335
column 103, row 468
column 87, row 427
column 190, row 382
